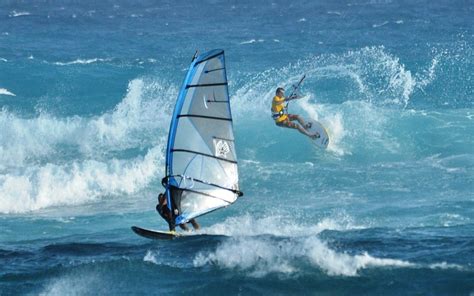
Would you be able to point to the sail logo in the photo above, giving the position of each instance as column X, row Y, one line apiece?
column 222, row 148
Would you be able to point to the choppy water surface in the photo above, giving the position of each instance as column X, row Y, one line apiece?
column 86, row 95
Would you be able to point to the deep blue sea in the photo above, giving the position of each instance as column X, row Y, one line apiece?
column 87, row 89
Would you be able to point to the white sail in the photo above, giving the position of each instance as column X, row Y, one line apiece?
column 201, row 162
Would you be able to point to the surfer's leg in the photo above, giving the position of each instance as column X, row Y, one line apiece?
column 303, row 127
column 287, row 123
column 195, row 224
column 166, row 215
column 184, row 227
column 300, row 120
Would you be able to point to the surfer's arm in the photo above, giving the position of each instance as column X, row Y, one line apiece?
column 292, row 97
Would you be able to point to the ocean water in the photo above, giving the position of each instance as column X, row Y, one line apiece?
column 86, row 95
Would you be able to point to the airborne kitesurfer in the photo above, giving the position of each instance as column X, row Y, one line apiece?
column 283, row 119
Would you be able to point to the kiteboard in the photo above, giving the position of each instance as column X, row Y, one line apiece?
column 156, row 234
column 315, row 127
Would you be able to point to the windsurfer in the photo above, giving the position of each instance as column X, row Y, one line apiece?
column 165, row 213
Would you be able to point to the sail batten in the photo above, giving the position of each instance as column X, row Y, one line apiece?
column 201, row 161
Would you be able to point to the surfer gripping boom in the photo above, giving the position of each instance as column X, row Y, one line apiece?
column 283, row 119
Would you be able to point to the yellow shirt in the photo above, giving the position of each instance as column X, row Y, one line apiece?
column 277, row 106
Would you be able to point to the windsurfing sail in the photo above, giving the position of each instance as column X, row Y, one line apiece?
column 201, row 161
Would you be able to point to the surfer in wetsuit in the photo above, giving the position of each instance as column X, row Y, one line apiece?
column 165, row 213
column 283, row 119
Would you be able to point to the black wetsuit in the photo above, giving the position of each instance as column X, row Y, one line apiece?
column 166, row 214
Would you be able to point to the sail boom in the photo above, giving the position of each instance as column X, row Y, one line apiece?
column 206, row 117
column 206, row 84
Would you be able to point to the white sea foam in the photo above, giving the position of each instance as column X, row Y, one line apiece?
column 252, row 41
column 145, row 108
column 82, row 62
column 256, row 256
column 301, row 20
column 33, row 174
column 425, row 78
column 336, row 263
column 332, row 122
column 359, row 116
column 75, row 283
column 261, row 256
column 248, row 41
column 6, row 92
column 150, row 256
column 15, row 13
column 445, row 265
column 373, row 75
column 3, row 60
column 279, row 225
column 78, row 182
column 275, row 244
column 380, row 24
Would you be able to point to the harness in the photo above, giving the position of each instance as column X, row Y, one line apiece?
column 276, row 115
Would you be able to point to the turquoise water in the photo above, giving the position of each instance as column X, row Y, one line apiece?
column 86, row 95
